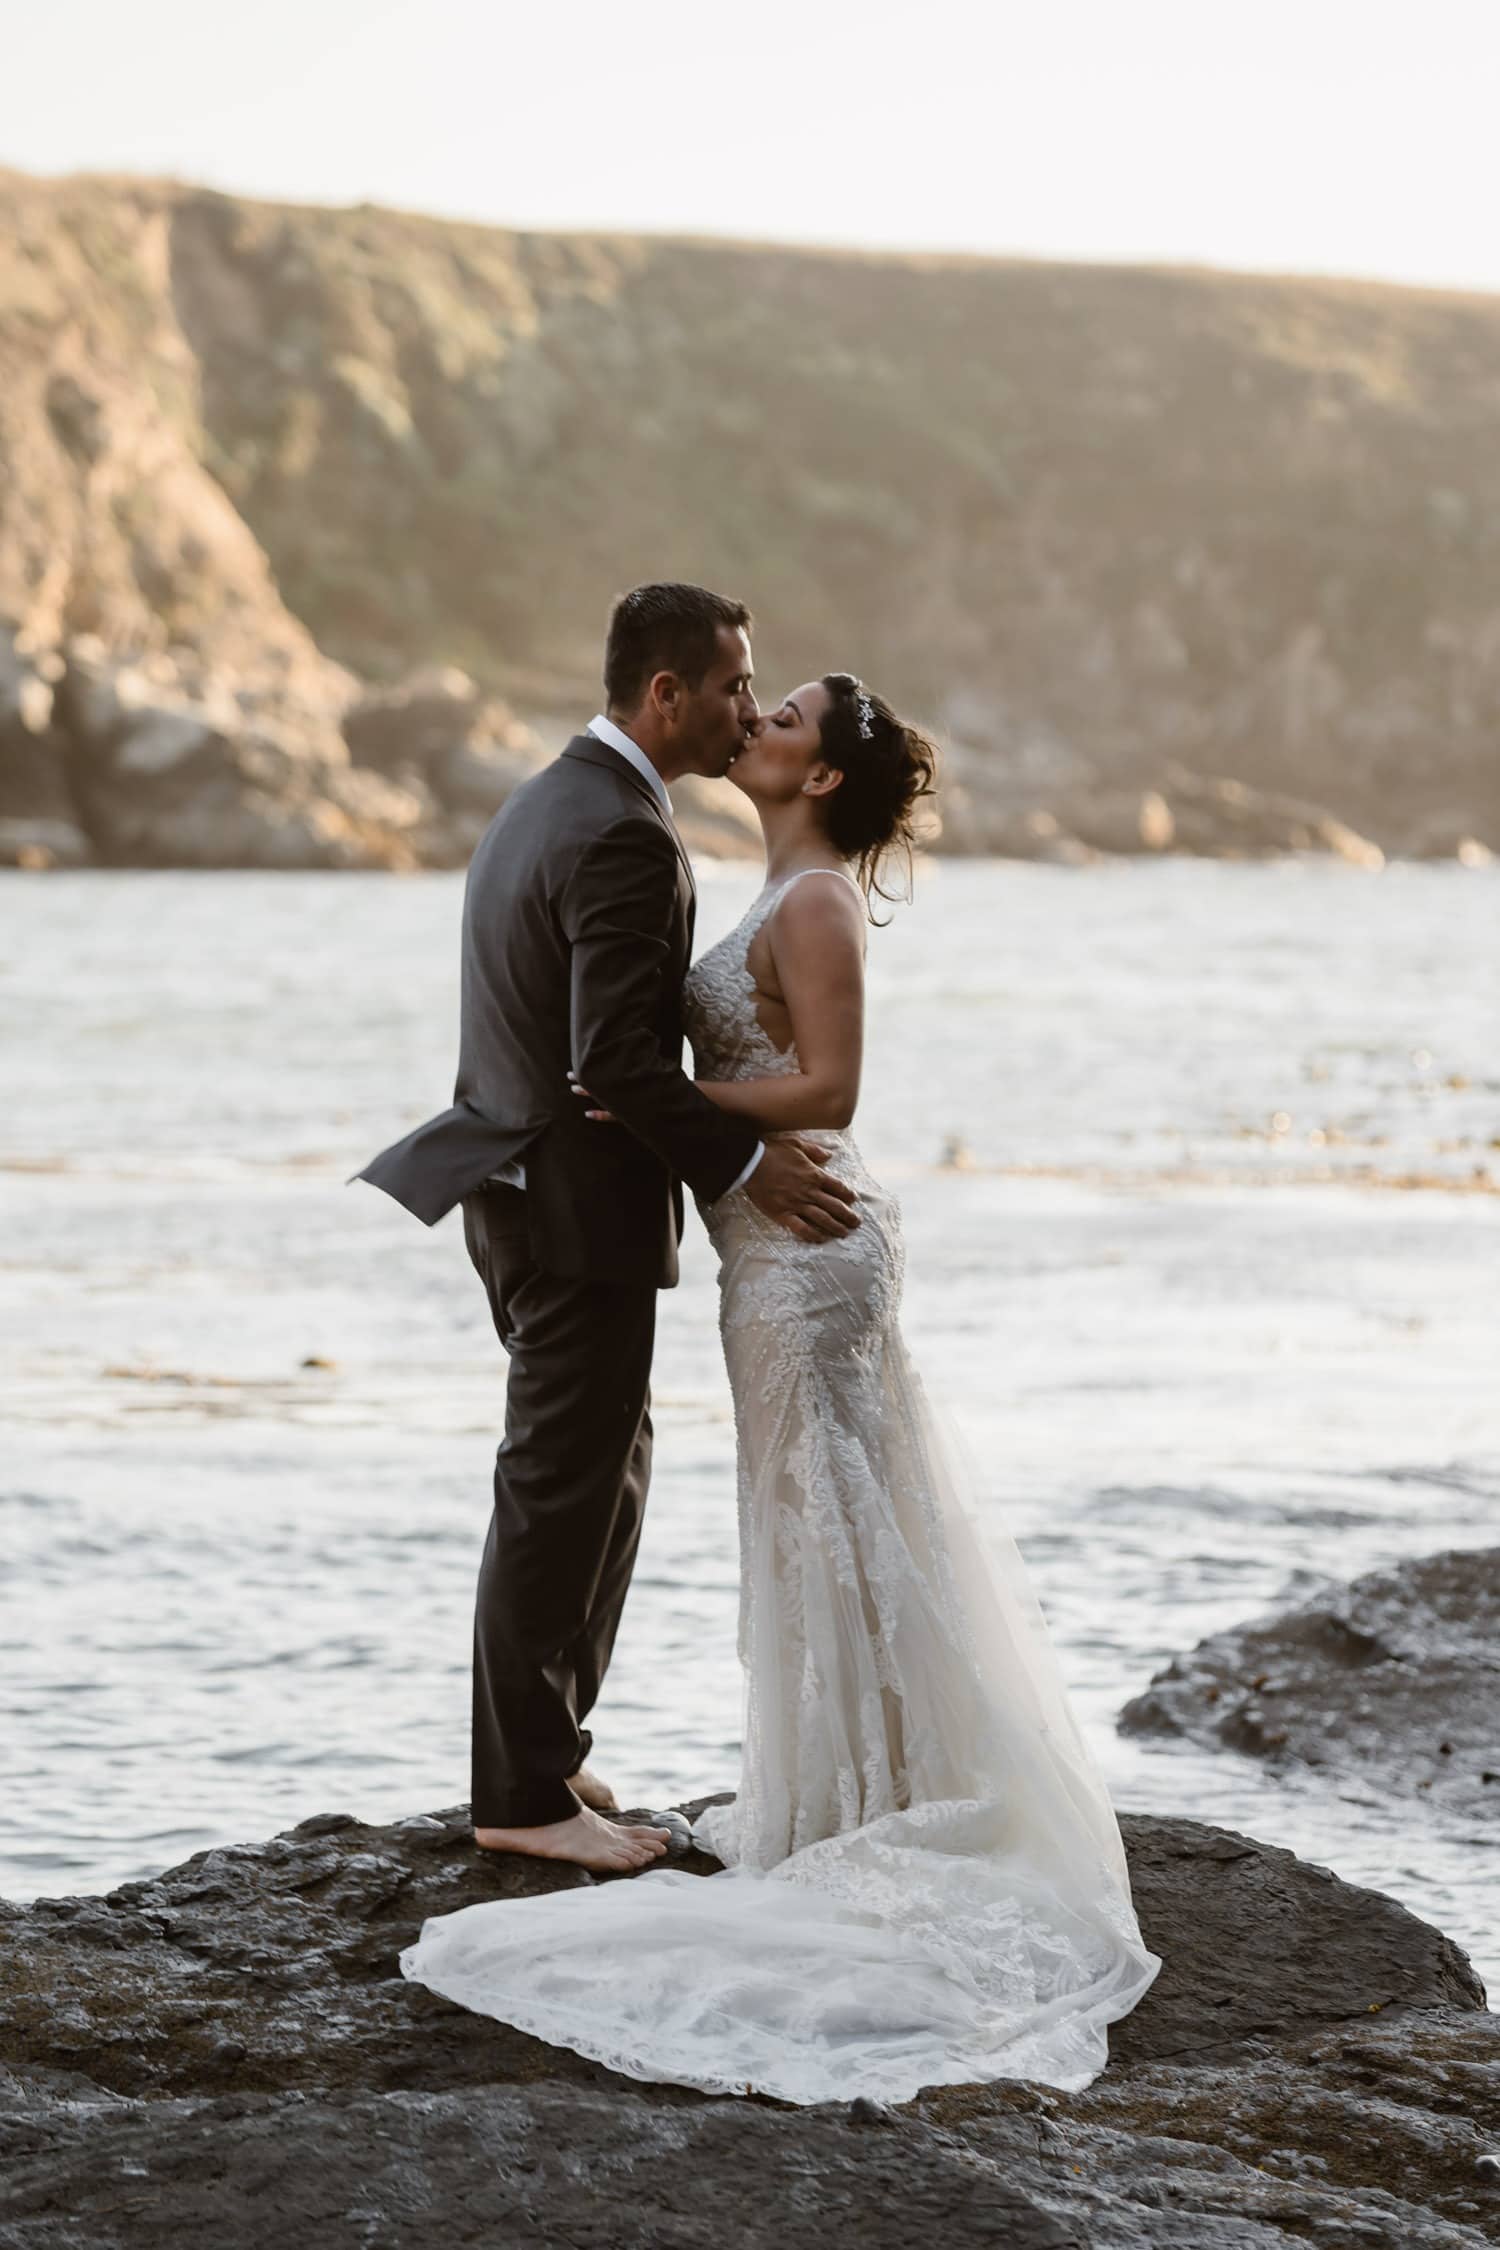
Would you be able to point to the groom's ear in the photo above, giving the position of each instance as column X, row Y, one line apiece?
column 664, row 695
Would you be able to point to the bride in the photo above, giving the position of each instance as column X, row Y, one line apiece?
column 923, row 1879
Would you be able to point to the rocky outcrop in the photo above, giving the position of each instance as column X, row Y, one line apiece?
column 1211, row 817
column 1171, row 560
column 164, row 762
column 1394, row 1678
column 158, row 763
column 176, row 765
column 230, row 2048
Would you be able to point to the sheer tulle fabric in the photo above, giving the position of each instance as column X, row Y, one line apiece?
column 924, row 1882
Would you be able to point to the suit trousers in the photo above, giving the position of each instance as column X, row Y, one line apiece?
column 570, row 1492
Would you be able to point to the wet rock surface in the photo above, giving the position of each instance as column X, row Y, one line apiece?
column 1393, row 1679
column 229, row 2050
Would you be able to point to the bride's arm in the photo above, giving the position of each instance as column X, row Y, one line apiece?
column 778, row 1105
column 816, row 937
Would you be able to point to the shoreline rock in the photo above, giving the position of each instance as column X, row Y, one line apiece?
column 149, row 759
column 154, row 763
column 1393, row 1679
column 230, row 2044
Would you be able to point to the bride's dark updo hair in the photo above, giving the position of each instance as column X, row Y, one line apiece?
column 887, row 770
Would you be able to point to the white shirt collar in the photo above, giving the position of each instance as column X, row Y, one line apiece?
column 634, row 755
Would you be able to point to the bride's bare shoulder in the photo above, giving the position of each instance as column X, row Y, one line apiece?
column 806, row 911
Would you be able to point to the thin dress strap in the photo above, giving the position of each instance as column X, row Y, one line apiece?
column 787, row 881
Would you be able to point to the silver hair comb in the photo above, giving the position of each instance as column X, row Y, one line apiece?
column 864, row 712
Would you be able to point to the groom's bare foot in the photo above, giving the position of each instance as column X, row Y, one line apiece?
column 587, row 1840
column 591, row 1791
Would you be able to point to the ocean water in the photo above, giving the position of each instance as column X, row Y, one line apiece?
column 1200, row 1167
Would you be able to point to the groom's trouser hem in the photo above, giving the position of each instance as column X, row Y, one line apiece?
column 528, row 1809
column 570, row 1490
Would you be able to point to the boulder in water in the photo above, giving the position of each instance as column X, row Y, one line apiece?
column 1394, row 1677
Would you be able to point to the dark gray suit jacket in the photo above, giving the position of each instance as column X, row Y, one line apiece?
column 577, row 934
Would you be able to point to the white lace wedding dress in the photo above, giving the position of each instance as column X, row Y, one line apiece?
column 924, row 1882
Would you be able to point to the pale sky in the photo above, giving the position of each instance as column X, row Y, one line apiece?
column 1314, row 136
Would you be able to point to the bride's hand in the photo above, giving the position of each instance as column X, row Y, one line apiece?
column 602, row 1116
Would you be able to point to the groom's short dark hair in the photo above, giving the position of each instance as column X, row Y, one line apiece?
column 664, row 628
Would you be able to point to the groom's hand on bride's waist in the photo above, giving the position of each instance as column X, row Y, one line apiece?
column 790, row 1185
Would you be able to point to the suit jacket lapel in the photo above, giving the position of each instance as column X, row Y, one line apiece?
column 592, row 752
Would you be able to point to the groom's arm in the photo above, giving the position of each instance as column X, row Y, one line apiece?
column 618, row 909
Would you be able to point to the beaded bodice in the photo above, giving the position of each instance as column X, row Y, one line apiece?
column 729, row 1041
column 726, row 1034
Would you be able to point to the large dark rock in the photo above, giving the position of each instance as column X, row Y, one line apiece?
column 228, row 2050
column 1395, row 1677
column 1325, row 1951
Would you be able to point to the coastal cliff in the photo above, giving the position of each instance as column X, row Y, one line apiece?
column 310, row 518
column 229, row 2049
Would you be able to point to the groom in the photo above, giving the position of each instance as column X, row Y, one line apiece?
column 577, row 934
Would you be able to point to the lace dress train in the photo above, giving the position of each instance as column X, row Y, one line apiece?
column 924, row 1882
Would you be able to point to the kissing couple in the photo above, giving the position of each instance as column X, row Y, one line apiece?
column 923, row 1881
